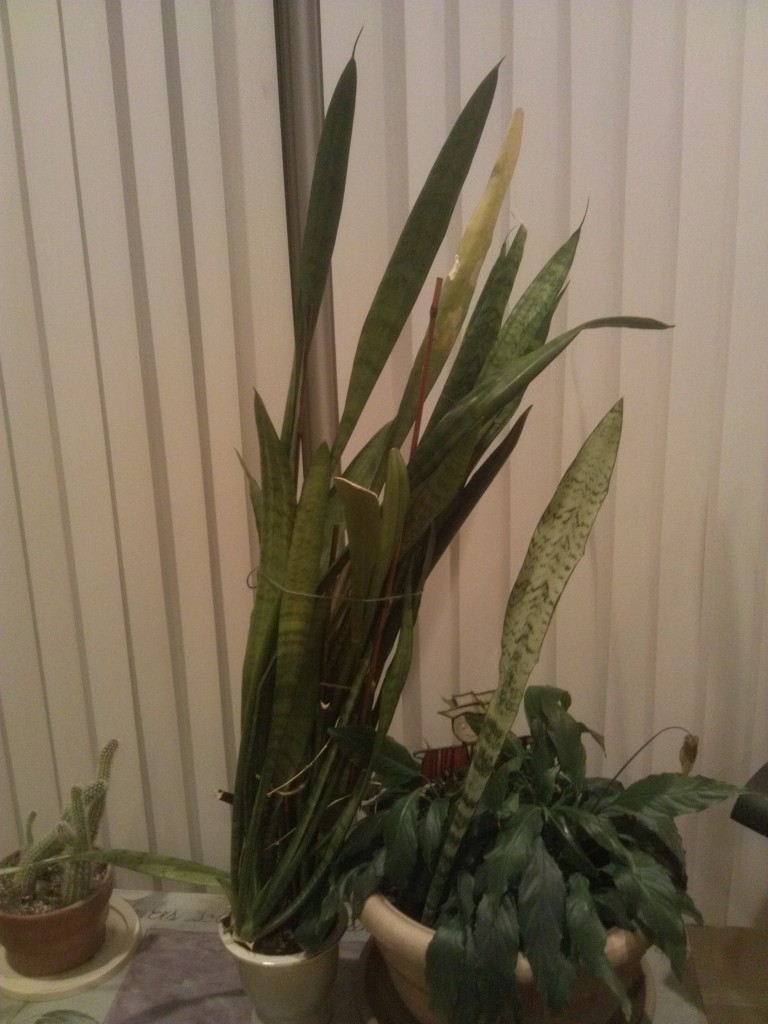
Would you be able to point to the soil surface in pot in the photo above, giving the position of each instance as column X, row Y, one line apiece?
column 47, row 894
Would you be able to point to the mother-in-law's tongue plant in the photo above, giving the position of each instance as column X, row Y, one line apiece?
column 347, row 545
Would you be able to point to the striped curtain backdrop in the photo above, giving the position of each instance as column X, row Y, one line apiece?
column 144, row 292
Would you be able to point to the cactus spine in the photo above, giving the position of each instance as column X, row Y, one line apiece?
column 74, row 833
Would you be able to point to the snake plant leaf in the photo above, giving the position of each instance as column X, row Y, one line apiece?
column 363, row 521
column 175, row 869
column 279, row 511
column 535, row 307
column 484, row 326
column 588, row 937
column 413, row 256
column 489, row 398
column 394, row 507
column 391, row 688
column 541, row 909
column 459, row 285
column 254, row 491
column 323, row 214
column 672, row 794
column 298, row 656
column 466, row 500
column 437, row 493
column 557, row 546
column 64, row 1017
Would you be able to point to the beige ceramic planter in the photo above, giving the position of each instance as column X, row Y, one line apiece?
column 403, row 943
column 38, row 945
column 291, row 988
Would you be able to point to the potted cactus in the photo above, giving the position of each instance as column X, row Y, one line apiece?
column 53, row 904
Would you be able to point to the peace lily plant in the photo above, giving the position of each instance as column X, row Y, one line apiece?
column 346, row 544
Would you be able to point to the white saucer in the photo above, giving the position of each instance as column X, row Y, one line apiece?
column 123, row 934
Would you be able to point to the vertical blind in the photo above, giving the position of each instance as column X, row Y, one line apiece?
column 144, row 292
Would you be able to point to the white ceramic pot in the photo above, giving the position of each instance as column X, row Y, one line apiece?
column 292, row 988
column 403, row 943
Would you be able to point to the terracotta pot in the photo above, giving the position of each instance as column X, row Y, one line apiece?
column 59, row 940
column 293, row 988
column 403, row 943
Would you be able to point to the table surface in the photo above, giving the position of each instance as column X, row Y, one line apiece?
column 675, row 1003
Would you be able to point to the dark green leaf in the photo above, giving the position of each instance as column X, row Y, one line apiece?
column 393, row 764
column 588, row 937
column 541, row 909
column 452, row 986
column 400, row 839
column 512, row 851
column 431, row 828
column 413, row 256
column 655, row 903
column 672, row 794
column 497, row 942
column 160, row 866
column 65, row 1017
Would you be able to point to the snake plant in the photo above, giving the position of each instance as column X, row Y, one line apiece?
column 346, row 543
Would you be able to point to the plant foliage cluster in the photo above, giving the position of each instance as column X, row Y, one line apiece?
column 550, row 861
column 346, row 543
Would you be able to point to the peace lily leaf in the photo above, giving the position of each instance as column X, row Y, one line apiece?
column 588, row 937
column 497, row 943
column 392, row 762
column 431, row 828
column 446, row 966
column 654, row 900
column 513, row 849
column 673, row 794
column 413, row 256
column 541, row 908
column 400, row 839
column 556, row 548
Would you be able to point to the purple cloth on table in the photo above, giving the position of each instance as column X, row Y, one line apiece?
column 180, row 977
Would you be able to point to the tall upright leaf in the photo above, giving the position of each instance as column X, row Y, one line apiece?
column 323, row 214
column 556, row 548
column 412, row 258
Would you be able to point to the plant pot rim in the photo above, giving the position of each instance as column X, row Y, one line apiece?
column 382, row 918
column 60, row 911
column 243, row 952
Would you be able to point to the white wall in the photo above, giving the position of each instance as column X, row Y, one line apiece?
column 144, row 292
